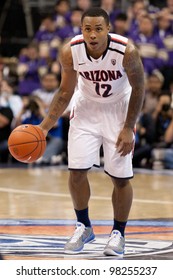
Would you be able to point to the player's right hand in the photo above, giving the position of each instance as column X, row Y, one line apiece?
column 125, row 141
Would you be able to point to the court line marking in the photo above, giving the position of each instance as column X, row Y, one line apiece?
column 19, row 191
column 54, row 222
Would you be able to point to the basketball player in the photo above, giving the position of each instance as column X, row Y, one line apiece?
column 108, row 101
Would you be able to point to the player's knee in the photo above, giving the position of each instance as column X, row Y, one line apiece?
column 77, row 177
column 120, row 183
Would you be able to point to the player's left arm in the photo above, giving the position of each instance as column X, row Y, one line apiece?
column 133, row 66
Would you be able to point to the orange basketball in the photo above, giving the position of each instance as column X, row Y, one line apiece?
column 27, row 143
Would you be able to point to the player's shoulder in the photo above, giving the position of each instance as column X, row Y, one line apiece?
column 123, row 41
column 77, row 40
column 118, row 39
column 65, row 56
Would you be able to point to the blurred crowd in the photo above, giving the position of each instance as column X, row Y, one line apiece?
column 29, row 81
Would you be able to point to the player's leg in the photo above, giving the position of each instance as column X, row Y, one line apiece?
column 84, row 143
column 80, row 193
column 120, row 170
column 83, row 153
column 79, row 188
column 121, row 200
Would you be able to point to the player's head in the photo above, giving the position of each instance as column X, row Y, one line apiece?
column 95, row 27
column 96, row 12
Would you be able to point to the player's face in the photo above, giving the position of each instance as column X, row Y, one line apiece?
column 95, row 31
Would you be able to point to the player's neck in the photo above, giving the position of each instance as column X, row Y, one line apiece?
column 95, row 55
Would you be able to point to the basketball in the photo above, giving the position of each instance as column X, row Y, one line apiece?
column 27, row 143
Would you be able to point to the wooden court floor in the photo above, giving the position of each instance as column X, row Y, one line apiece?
column 37, row 217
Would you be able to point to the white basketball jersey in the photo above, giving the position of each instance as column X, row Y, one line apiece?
column 103, row 79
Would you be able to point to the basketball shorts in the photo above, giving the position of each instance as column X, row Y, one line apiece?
column 93, row 124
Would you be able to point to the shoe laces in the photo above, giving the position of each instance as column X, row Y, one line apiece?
column 80, row 228
column 115, row 238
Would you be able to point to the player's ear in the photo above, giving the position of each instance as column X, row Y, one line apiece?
column 109, row 27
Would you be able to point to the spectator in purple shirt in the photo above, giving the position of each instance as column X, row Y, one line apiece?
column 110, row 6
column 120, row 25
column 47, row 36
column 62, row 13
column 47, row 30
column 151, row 47
column 164, row 30
column 74, row 28
column 28, row 68
column 134, row 12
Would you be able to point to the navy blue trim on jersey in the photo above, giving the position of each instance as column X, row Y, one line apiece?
column 105, row 52
column 117, row 41
column 115, row 50
column 88, row 56
column 84, row 169
column 79, row 169
column 123, row 178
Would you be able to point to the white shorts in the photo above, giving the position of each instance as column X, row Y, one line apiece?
column 94, row 124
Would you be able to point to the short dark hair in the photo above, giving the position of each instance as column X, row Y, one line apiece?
column 96, row 12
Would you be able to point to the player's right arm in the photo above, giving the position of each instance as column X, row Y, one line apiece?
column 65, row 92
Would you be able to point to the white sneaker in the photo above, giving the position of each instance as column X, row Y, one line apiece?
column 115, row 245
column 81, row 236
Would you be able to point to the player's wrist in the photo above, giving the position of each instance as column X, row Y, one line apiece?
column 44, row 130
column 128, row 126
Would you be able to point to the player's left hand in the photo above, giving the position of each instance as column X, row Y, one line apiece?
column 125, row 141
